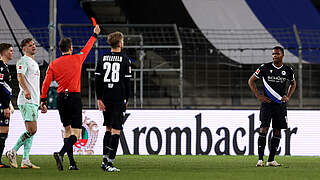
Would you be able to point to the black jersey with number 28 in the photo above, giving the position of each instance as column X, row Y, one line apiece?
column 113, row 73
column 275, row 80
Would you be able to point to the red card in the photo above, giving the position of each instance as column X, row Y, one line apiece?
column 94, row 23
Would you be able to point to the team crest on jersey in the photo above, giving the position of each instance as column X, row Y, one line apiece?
column 283, row 73
column 1, row 76
column 271, row 71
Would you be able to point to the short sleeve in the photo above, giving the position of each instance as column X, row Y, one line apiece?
column 291, row 75
column 128, row 73
column 22, row 66
column 259, row 72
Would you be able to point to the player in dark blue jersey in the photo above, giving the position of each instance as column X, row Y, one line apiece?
column 113, row 73
column 274, row 76
column 6, row 52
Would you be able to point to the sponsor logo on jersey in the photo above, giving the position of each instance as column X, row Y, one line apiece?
column 277, row 79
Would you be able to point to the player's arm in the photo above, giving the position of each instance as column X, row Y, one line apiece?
column 291, row 89
column 45, row 87
column 23, row 84
column 292, row 86
column 253, row 87
column 99, row 85
column 86, row 49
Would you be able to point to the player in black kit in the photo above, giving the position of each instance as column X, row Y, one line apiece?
column 6, row 52
column 113, row 73
column 274, row 76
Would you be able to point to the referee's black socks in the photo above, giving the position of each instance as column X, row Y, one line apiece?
column 275, row 140
column 113, row 145
column 70, row 153
column 68, row 145
column 3, row 137
column 261, row 145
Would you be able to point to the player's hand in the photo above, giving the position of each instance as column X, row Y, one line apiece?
column 27, row 94
column 264, row 99
column 127, row 104
column 96, row 29
column 101, row 105
column 285, row 99
column 6, row 113
column 43, row 107
column 11, row 108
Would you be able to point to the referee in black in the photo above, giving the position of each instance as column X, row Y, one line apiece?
column 113, row 73
column 274, row 76
column 6, row 54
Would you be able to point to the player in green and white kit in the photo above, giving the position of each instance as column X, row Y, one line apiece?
column 28, row 75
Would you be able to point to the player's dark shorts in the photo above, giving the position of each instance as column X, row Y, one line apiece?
column 275, row 112
column 114, row 115
column 70, row 109
column 3, row 120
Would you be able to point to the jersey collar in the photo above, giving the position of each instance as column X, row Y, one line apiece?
column 276, row 66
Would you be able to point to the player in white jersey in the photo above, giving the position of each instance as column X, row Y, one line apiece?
column 28, row 75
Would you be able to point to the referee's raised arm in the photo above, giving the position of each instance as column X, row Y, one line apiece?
column 86, row 49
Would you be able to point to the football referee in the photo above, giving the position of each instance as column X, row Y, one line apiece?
column 66, row 70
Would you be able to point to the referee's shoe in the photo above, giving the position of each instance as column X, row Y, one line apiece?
column 59, row 160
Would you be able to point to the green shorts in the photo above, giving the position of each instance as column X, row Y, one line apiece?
column 29, row 112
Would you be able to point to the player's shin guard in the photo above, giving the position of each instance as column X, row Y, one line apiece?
column 3, row 137
column 113, row 145
column 70, row 153
column 261, row 145
column 106, row 142
column 27, row 147
column 275, row 140
column 68, row 145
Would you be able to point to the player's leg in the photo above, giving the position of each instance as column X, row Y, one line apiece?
column 265, row 120
column 107, row 135
column 31, row 127
column 117, row 122
column 113, row 146
column 4, row 129
column 106, row 142
column 279, row 122
column 11, row 154
column 275, row 140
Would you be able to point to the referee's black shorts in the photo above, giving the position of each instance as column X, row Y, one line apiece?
column 275, row 112
column 3, row 120
column 114, row 115
column 70, row 109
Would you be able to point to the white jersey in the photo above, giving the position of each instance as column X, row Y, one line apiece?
column 30, row 69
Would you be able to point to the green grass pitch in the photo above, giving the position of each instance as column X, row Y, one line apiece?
column 169, row 167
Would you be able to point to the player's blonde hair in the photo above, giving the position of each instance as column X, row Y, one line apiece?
column 114, row 39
